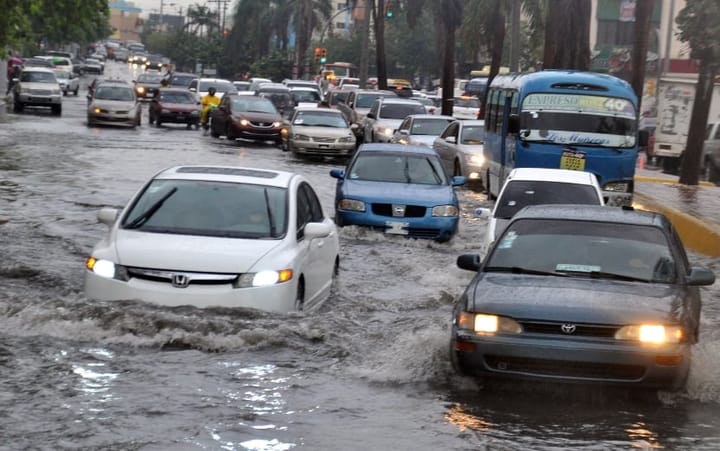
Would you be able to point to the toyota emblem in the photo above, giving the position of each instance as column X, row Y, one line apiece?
column 568, row 328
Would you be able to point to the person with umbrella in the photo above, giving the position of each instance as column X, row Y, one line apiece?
column 14, row 66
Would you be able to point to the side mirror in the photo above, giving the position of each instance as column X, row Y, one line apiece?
column 193, row 89
column 337, row 174
column 700, row 276
column 354, row 127
column 370, row 115
column 107, row 216
column 459, row 180
column 514, row 124
column 451, row 140
column 405, row 132
column 483, row 212
column 316, row 230
column 470, row 262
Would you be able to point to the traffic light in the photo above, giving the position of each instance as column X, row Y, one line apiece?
column 318, row 52
column 323, row 56
column 389, row 10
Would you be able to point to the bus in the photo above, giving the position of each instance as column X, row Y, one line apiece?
column 576, row 120
column 341, row 70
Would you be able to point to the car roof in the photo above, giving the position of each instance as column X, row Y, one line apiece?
column 233, row 174
column 576, row 212
column 430, row 116
column 471, row 121
column 398, row 100
column 553, row 175
column 388, row 147
column 322, row 110
column 39, row 69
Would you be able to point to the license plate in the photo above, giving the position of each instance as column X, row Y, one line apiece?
column 573, row 160
column 324, row 146
column 396, row 228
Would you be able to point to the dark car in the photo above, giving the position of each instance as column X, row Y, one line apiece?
column 147, row 84
column 279, row 95
column 582, row 294
column 174, row 105
column 181, row 79
column 244, row 116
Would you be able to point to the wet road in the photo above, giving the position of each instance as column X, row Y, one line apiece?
column 368, row 371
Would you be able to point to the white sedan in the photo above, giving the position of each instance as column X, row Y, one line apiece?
column 217, row 236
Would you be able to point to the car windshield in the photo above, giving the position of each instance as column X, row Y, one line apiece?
column 181, row 80
column 338, row 97
column 250, row 104
column 177, row 97
column 281, row 100
column 398, row 168
column 38, row 77
column 92, row 61
column 473, row 134
column 466, row 102
column 62, row 74
column 149, row 78
column 195, row 207
column 521, row 193
column 219, row 85
column 366, row 100
column 400, row 110
column 584, row 249
column 320, row 119
column 120, row 93
column 429, row 126
column 305, row 96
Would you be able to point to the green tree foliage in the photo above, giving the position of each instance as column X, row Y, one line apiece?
column 54, row 22
column 699, row 24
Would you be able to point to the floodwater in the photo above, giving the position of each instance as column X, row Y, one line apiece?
column 369, row 370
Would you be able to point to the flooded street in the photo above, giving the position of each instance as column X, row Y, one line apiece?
column 368, row 371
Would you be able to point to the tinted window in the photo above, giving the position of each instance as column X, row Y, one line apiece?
column 119, row 93
column 399, row 168
column 210, row 208
column 585, row 249
column 400, row 111
column 429, row 126
column 252, row 104
column 521, row 193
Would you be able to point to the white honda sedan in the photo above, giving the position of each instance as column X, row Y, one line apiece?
column 217, row 236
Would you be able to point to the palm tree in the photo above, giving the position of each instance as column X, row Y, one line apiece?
column 308, row 15
column 643, row 16
column 200, row 19
column 567, row 35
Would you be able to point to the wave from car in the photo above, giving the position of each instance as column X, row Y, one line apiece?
column 217, row 236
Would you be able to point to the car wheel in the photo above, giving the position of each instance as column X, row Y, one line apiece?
column 455, row 362
column 18, row 107
column 490, row 195
column 229, row 134
column 457, row 169
column 713, row 173
column 65, row 93
column 158, row 122
column 339, row 221
column 300, row 295
column 75, row 92
column 57, row 110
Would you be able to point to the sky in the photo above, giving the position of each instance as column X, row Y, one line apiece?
column 173, row 6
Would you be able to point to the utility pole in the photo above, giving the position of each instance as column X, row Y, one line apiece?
column 515, row 37
column 364, row 50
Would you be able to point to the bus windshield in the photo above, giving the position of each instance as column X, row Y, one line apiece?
column 578, row 119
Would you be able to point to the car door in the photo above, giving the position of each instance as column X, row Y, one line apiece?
column 445, row 145
column 369, row 121
column 219, row 116
column 403, row 131
column 317, row 257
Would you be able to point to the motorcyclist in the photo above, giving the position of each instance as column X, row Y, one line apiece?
column 208, row 102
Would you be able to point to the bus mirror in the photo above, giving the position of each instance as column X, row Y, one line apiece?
column 514, row 124
column 643, row 136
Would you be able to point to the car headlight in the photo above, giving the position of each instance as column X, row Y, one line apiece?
column 97, row 110
column 385, row 131
column 56, row 91
column 484, row 324
column 140, row 89
column 651, row 333
column 276, row 124
column 244, row 122
column 445, row 210
column 351, row 205
column 263, row 278
column 347, row 139
column 477, row 159
column 106, row 269
column 617, row 187
column 299, row 137
column 24, row 90
column 164, row 111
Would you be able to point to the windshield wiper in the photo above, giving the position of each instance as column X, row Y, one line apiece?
column 435, row 172
column 521, row 270
column 406, row 171
column 271, row 218
column 605, row 275
column 147, row 214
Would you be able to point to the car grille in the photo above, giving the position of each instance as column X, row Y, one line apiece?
column 261, row 124
column 563, row 368
column 186, row 278
column 41, row 92
column 320, row 139
column 414, row 232
column 121, row 112
column 411, row 211
column 580, row 330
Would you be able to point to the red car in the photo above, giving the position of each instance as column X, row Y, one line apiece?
column 177, row 106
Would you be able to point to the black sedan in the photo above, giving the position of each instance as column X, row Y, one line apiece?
column 584, row 294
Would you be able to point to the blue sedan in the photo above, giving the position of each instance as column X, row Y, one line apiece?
column 398, row 189
column 582, row 294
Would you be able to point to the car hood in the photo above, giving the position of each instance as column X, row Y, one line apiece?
column 577, row 300
column 388, row 123
column 324, row 132
column 399, row 193
column 183, row 107
column 257, row 117
column 112, row 104
column 35, row 85
column 423, row 140
column 189, row 253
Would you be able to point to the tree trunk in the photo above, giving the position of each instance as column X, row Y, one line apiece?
column 497, row 40
column 690, row 168
column 567, row 35
column 380, row 44
column 364, row 51
column 643, row 14
column 448, row 68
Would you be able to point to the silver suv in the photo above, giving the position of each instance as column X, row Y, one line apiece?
column 37, row 87
column 386, row 115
